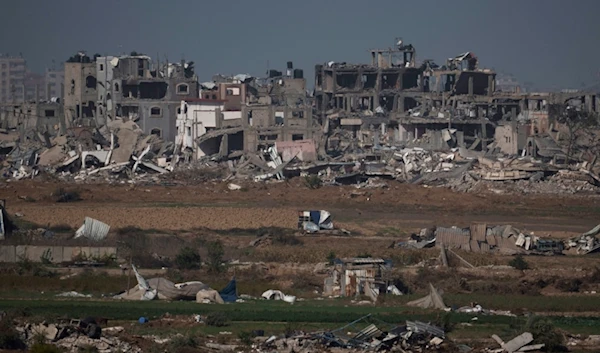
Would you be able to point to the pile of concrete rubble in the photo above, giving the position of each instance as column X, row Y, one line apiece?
column 480, row 237
column 120, row 151
column 414, row 336
column 75, row 335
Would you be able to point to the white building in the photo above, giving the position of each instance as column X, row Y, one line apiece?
column 198, row 116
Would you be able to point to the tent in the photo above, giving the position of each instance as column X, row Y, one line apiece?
column 313, row 221
column 433, row 300
column 229, row 293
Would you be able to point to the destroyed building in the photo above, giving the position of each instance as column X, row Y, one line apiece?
column 80, row 90
column 245, row 114
column 395, row 101
column 132, row 88
column 357, row 276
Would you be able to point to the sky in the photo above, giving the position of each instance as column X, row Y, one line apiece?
column 548, row 44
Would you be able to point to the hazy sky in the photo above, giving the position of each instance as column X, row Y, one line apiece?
column 550, row 43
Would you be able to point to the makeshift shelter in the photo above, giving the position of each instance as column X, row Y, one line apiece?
column 229, row 293
column 209, row 296
column 162, row 288
column 313, row 221
column 93, row 229
column 433, row 300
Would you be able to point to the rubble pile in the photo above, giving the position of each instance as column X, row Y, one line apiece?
column 75, row 335
column 414, row 336
column 587, row 242
column 480, row 237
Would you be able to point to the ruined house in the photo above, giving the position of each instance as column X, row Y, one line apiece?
column 357, row 276
column 393, row 101
column 80, row 93
column 245, row 114
column 131, row 88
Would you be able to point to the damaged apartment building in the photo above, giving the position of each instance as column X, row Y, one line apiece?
column 103, row 88
column 393, row 101
column 241, row 114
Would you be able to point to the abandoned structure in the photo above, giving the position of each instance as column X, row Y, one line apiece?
column 80, row 90
column 392, row 101
column 245, row 114
column 130, row 88
column 357, row 276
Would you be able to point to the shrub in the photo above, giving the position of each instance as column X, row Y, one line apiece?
column 519, row 263
column 63, row 195
column 216, row 319
column 569, row 285
column 9, row 337
column 44, row 348
column 246, row 337
column 188, row 259
column 544, row 332
column 215, row 256
column 87, row 348
column 283, row 239
column 313, row 181
column 331, row 257
column 178, row 343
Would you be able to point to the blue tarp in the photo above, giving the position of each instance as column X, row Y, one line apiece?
column 229, row 293
column 315, row 216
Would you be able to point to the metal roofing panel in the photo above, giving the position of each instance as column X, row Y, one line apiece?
column 478, row 231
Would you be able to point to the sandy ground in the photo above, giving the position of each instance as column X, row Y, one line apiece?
column 392, row 211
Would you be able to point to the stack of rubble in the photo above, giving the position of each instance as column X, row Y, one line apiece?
column 587, row 242
column 414, row 336
column 482, row 238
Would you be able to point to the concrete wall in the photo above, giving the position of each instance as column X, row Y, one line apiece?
column 56, row 254
column 506, row 139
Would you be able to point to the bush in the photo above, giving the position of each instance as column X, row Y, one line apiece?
column 544, row 332
column 313, row 181
column 246, row 337
column 217, row 319
column 188, row 259
column 283, row 239
column 178, row 343
column 215, row 256
column 568, row 285
column 331, row 257
column 519, row 263
column 63, row 195
column 9, row 337
column 44, row 348
column 87, row 348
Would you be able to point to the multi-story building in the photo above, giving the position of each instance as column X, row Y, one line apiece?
column 12, row 79
column 35, row 87
column 130, row 87
column 54, row 84
column 80, row 93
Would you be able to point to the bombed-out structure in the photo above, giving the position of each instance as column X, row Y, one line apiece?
column 238, row 114
column 395, row 101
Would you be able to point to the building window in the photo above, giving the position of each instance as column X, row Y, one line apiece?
column 206, row 96
column 297, row 137
column 214, row 96
column 49, row 113
column 116, row 87
column 155, row 112
column 189, row 131
column 90, row 82
column 155, row 131
column 101, row 67
column 183, row 88
column 179, row 110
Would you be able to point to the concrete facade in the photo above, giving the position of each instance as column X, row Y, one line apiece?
column 40, row 116
column 80, row 93
column 129, row 88
column 12, row 79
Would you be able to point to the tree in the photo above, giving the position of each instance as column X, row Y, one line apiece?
column 188, row 259
column 215, row 256
column 574, row 119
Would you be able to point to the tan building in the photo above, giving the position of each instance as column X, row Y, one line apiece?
column 80, row 94
column 12, row 79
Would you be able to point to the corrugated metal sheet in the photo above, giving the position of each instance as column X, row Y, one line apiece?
column 452, row 237
column 93, row 229
column 475, row 245
column 421, row 327
column 478, row 231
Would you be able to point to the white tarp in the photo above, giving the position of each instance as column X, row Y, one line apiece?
column 273, row 294
column 93, row 229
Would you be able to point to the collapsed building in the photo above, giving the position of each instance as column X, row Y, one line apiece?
column 393, row 101
column 240, row 114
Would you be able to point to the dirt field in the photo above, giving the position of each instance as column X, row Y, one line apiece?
column 398, row 209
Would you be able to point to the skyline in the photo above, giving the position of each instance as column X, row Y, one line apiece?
column 533, row 41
